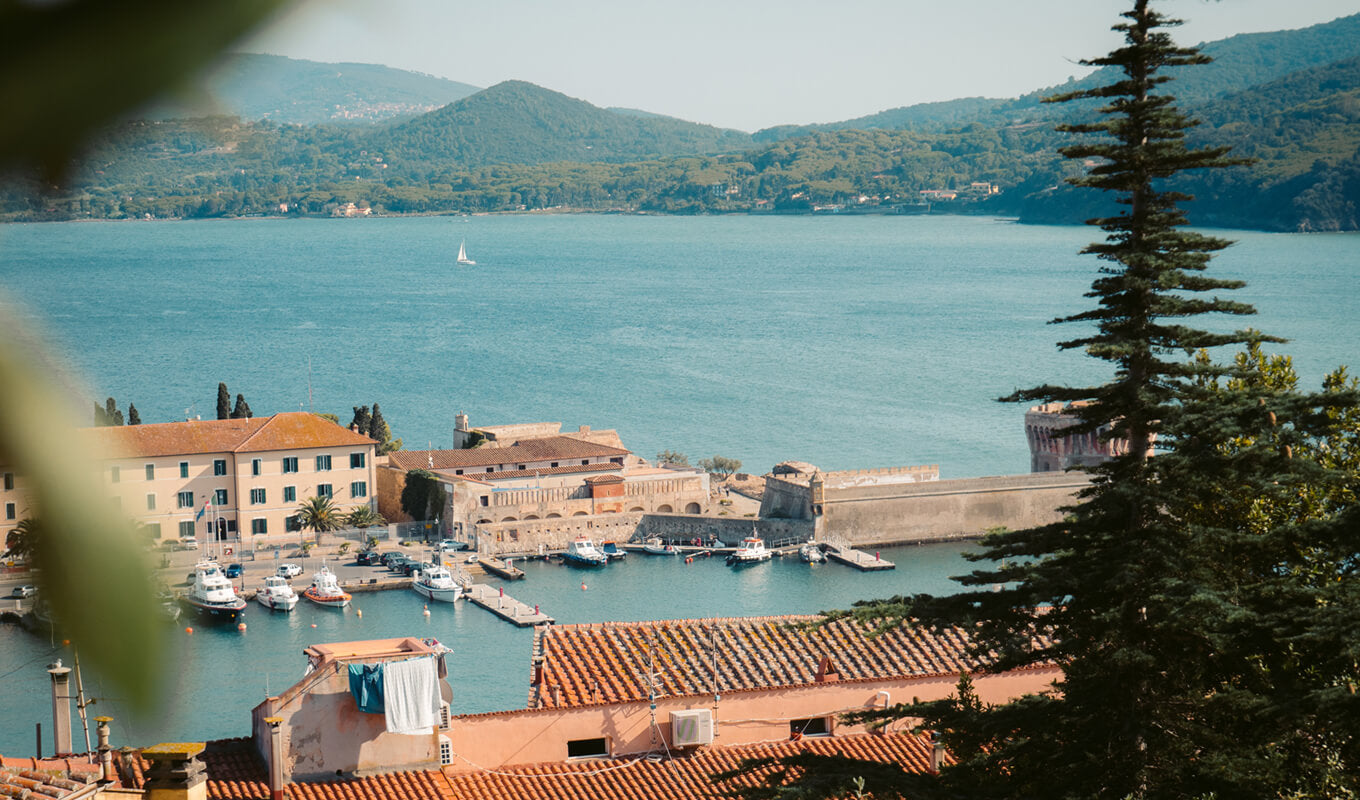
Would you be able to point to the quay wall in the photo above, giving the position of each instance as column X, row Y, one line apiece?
column 546, row 535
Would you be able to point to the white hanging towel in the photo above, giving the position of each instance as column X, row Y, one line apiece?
column 411, row 691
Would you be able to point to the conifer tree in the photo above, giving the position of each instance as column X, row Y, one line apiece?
column 377, row 427
column 112, row 416
column 223, row 402
column 242, row 409
column 133, row 418
column 362, row 420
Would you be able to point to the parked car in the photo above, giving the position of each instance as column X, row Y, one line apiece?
column 452, row 544
column 26, row 590
column 288, row 571
column 186, row 544
column 235, row 570
column 369, row 557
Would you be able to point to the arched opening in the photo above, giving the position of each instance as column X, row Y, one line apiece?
column 508, row 519
column 692, row 508
column 484, row 521
column 554, row 516
column 531, row 516
column 664, row 508
column 637, row 508
column 579, row 514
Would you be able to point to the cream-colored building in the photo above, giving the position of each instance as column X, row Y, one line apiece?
column 224, row 480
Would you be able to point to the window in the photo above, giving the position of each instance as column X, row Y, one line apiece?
column 255, row 466
column 816, row 726
column 323, row 490
column 458, row 472
column 9, row 511
column 290, row 465
column 291, row 523
column 115, row 474
column 519, row 467
column 219, row 466
column 151, row 472
column 220, row 498
column 485, row 500
column 356, row 460
column 151, row 502
column 358, row 489
column 323, row 463
column 290, row 494
column 490, row 469
column 554, row 463
column 588, row 748
column 259, row 526
column 9, row 481
column 185, row 500
column 257, row 497
column 184, row 469
column 186, row 529
column 585, row 461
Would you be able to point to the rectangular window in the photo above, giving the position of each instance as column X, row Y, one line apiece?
column 588, row 748
column 259, row 526
column 458, row 472
column 151, row 502
column 9, row 481
column 220, row 498
column 490, row 469
column 151, row 472
column 323, row 490
column 291, row 523
column 219, row 466
column 152, row 530
column 115, row 474
column 554, row 463
column 257, row 497
column 356, row 460
column 816, row 726
column 358, row 489
column 186, row 529
column 290, row 494
column 323, row 463
column 519, row 467
column 9, row 511
column 290, row 465
column 184, row 469
column 255, row 466
column 185, row 500
column 585, row 461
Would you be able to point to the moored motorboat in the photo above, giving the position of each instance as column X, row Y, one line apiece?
column 437, row 583
column 811, row 553
column 612, row 551
column 325, row 590
column 211, row 596
column 657, row 547
column 752, row 550
column 275, row 593
column 584, row 553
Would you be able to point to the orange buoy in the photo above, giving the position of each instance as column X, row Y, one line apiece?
column 189, row 631
column 313, row 624
column 241, row 627
column 359, row 612
column 583, row 587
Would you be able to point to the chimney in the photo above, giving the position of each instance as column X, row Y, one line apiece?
column 275, row 758
column 61, row 707
column 175, row 772
column 107, row 774
column 936, row 752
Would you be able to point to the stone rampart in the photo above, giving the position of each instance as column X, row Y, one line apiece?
column 547, row 535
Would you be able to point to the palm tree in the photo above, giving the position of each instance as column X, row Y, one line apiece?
column 365, row 517
column 319, row 514
column 23, row 539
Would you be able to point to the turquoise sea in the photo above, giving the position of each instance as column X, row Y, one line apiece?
column 844, row 341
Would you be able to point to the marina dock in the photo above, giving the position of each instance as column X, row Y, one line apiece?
column 506, row 607
column 501, row 569
column 860, row 560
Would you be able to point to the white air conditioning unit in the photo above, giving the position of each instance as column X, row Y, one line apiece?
column 444, row 718
column 693, row 727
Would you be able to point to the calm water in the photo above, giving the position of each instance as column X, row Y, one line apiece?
column 848, row 342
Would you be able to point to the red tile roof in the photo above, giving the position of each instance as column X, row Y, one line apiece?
column 45, row 779
column 684, row 778
column 548, row 448
column 424, row 785
column 485, row 477
column 235, row 770
column 287, row 431
column 600, row 663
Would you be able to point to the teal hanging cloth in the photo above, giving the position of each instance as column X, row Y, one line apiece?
column 366, row 684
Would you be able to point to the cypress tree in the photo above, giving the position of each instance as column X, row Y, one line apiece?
column 112, row 416
column 242, row 409
column 100, row 417
column 223, row 402
column 377, row 427
column 133, row 418
column 362, row 420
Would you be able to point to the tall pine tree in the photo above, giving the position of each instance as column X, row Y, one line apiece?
column 223, row 402
column 242, row 409
column 362, row 420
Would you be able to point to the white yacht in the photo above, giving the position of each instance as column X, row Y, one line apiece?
column 752, row 550
column 212, row 595
column 325, row 590
column 437, row 583
column 583, row 552
column 463, row 256
column 275, row 593
column 811, row 553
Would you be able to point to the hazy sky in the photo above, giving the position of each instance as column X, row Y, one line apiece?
column 750, row 64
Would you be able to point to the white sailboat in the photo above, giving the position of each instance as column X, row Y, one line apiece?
column 463, row 256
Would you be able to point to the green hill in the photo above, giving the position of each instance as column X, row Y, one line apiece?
column 254, row 86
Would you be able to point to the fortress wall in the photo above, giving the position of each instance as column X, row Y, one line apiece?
column 942, row 510
column 533, row 536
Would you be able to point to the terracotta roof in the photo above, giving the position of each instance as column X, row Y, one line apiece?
column 235, row 770
column 599, row 663
column 683, row 778
column 44, row 779
column 423, row 785
column 483, row 477
column 605, row 479
column 287, row 431
column 548, row 448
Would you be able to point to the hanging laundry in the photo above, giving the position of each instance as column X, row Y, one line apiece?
column 366, row 684
column 411, row 692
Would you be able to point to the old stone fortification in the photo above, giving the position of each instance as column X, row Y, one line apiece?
column 546, row 535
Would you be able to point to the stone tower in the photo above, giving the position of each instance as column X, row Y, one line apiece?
column 1051, row 451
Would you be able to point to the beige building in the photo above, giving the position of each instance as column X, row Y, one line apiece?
column 230, row 479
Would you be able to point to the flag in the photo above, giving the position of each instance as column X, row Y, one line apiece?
column 207, row 504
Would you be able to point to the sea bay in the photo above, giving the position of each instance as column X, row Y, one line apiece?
column 845, row 341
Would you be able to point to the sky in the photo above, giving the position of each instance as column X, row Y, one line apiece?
column 750, row 64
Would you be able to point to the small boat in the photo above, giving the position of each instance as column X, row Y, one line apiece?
column 612, row 551
column 811, row 553
column 752, row 550
column 583, row 552
column 657, row 547
column 437, row 583
column 211, row 596
column 463, row 256
column 325, row 590
column 275, row 593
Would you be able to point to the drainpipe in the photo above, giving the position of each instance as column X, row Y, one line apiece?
column 106, row 771
column 275, row 758
column 61, row 707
